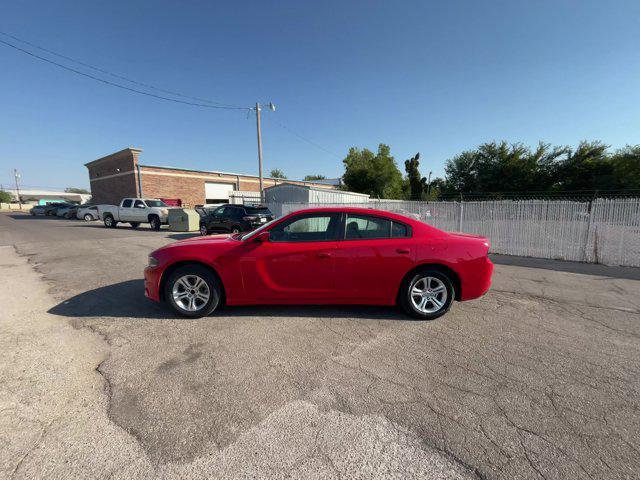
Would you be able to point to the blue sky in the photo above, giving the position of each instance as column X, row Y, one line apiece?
column 434, row 77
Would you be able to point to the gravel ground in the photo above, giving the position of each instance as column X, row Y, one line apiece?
column 538, row 379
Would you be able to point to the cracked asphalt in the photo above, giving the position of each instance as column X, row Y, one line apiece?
column 538, row 379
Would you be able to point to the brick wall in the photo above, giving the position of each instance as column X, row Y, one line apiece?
column 113, row 177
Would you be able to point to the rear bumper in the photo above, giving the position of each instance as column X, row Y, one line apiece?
column 477, row 281
column 152, row 277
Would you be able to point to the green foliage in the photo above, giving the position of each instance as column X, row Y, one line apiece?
column 417, row 184
column 503, row 167
column 5, row 197
column 76, row 190
column 310, row 178
column 277, row 173
column 373, row 173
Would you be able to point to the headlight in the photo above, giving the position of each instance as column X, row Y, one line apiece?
column 165, row 211
column 153, row 261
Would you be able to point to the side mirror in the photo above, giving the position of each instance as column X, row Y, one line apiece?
column 262, row 237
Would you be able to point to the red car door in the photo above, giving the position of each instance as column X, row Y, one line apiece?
column 372, row 259
column 296, row 265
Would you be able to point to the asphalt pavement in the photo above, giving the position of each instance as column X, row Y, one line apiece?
column 538, row 379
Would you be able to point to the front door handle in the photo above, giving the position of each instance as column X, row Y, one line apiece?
column 324, row 255
column 403, row 250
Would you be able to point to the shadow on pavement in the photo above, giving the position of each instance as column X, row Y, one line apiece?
column 126, row 299
column 183, row 236
column 629, row 273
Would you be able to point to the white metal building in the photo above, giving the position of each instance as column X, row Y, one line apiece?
column 289, row 193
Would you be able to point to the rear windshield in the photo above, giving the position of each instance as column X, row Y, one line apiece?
column 257, row 210
column 155, row 203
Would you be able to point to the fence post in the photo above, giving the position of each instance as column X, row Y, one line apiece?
column 586, row 241
column 460, row 213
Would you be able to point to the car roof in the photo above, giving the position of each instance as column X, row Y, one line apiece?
column 360, row 210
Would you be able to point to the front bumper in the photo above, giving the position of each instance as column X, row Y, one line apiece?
column 152, row 277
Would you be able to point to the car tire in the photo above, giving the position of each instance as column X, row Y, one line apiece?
column 110, row 222
column 427, row 294
column 235, row 230
column 203, row 230
column 134, row 224
column 88, row 217
column 154, row 221
column 204, row 282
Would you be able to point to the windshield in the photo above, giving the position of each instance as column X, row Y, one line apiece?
column 155, row 203
column 247, row 236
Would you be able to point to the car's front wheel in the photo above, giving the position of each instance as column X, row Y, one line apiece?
column 88, row 217
column 427, row 295
column 192, row 291
column 154, row 221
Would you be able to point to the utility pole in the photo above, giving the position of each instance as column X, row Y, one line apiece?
column 16, row 175
column 429, row 186
column 259, row 151
column 258, row 108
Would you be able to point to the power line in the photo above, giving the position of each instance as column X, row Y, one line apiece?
column 311, row 142
column 121, row 77
column 124, row 87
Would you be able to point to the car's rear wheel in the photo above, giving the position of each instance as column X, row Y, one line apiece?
column 110, row 222
column 426, row 295
column 235, row 230
column 192, row 291
column 88, row 217
column 203, row 230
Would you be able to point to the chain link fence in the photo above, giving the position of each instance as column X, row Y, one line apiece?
column 604, row 230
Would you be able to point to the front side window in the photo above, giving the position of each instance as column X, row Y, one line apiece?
column 127, row 203
column 307, row 228
column 360, row 227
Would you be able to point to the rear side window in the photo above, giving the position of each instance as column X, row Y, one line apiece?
column 257, row 210
column 399, row 230
column 367, row 227
column 127, row 203
column 139, row 203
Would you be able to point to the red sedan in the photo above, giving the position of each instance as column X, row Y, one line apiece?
column 323, row 256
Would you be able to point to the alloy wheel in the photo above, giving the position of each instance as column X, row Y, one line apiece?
column 428, row 294
column 191, row 293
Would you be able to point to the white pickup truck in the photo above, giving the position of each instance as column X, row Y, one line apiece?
column 135, row 211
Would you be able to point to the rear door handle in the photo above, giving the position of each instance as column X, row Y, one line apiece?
column 403, row 250
column 324, row 255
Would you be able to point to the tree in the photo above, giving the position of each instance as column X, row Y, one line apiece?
column 277, row 173
column 310, row 178
column 375, row 174
column 5, row 197
column 417, row 184
column 76, row 190
column 626, row 167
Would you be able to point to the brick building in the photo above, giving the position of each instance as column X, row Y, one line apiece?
column 120, row 175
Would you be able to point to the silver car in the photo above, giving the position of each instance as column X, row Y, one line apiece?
column 88, row 213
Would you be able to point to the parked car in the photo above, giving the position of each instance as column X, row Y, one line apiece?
column 135, row 211
column 324, row 256
column 234, row 219
column 52, row 208
column 88, row 213
column 38, row 210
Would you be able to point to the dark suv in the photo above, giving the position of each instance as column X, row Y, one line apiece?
column 234, row 219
